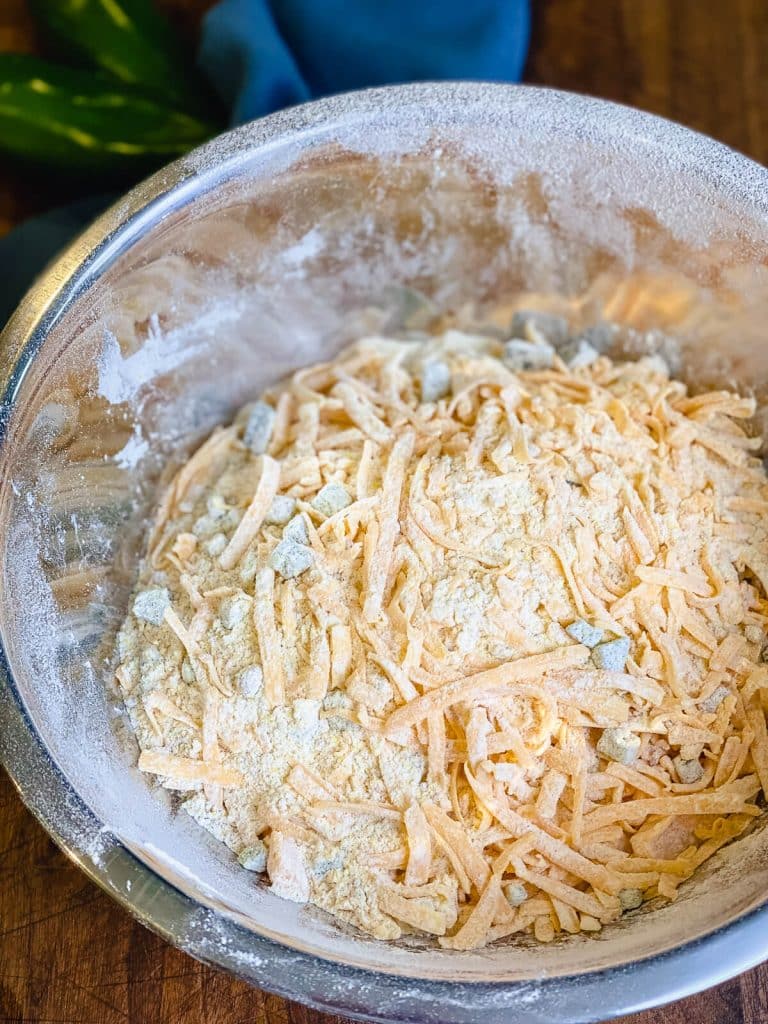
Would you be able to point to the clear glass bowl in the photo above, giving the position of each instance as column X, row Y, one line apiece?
column 265, row 250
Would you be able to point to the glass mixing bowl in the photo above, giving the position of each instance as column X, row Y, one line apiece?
column 267, row 249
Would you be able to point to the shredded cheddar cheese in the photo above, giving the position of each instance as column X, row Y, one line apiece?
column 504, row 675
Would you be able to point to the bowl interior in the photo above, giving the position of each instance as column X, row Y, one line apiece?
column 269, row 250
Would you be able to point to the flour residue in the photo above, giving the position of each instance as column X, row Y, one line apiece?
column 122, row 378
column 133, row 451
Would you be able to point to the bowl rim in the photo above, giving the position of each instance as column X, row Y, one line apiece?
column 214, row 938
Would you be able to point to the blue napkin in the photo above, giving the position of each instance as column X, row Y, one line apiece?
column 262, row 55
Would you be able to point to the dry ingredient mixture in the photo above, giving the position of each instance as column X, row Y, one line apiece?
column 463, row 637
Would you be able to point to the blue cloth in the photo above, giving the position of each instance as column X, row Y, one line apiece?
column 262, row 55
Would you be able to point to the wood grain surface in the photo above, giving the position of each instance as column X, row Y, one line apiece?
column 68, row 955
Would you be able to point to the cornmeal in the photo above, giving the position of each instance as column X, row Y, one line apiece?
column 461, row 637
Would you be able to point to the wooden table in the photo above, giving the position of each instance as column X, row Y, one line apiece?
column 68, row 955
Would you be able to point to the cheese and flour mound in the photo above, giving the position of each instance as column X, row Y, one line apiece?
column 463, row 638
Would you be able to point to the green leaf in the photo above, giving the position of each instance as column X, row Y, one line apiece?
column 86, row 122
column 129, row 39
